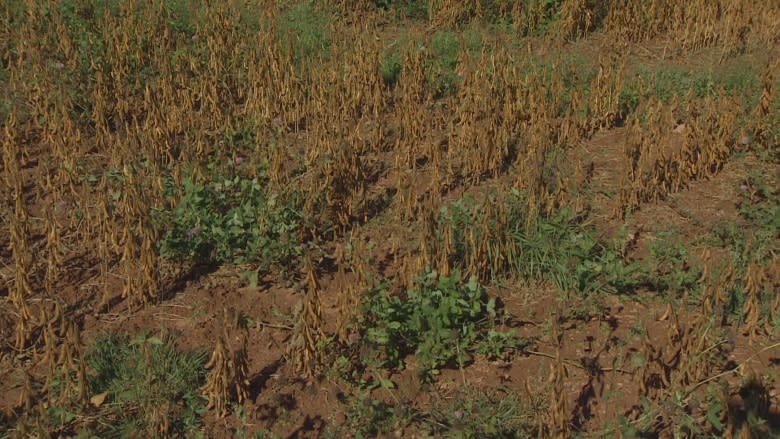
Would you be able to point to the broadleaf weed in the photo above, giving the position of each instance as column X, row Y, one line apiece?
column 233, row 219
column 438, row 320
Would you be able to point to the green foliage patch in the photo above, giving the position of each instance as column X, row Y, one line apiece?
column 303, row 26
column 470, row 412
column 439, row 320
column 556, row 248
column 140, row 384
column 484, row 412
column 232, row 219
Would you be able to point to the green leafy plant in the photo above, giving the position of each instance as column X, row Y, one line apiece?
column 489, row 413
column 669, row 265
column 233, row 219
column 369, row 417
column 555, row 248
column 494, row 344
column 444, row 47
column 439, row 320
column 602, row 267
column 139, row 384
column 667, row 80
column 391, row 68
column 304, row 29
column 710, row 415
column 760, row 202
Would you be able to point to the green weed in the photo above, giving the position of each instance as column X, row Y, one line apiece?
column 369, row 417
column 760, row 202
column 439, row 321
column 468, row 413
column 669, row 265
column 232, row 219
column 666, row 81
column 265, row 434
column 444, row 47
column 486, row 413
column 304, row 29
column 391, row 68
column 556, row 248
column 495, row 344
column 141, row 384
column 707, row 415
column 181, row 17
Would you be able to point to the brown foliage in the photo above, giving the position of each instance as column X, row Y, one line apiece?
column 228, row 379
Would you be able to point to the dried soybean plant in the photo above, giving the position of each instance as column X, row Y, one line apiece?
column 577, row 18
column 691, row 351
column 666, row 153
column 694, row 25
column 762, row 113
column 483, row 127
column 139, row 253
column 218, row 387
column 605, row 95
column 772, row 274
column 721, row 281
column 21, row 293
column 483, row 244
column 228, row 378
column 304, row 350
column 718, row 277
column 71, row 363
column 524, row 15
column 350, row 287
column 754, row 397
column 344, row 100
column 413, row 110
column 751, row 309
column 557, row 424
